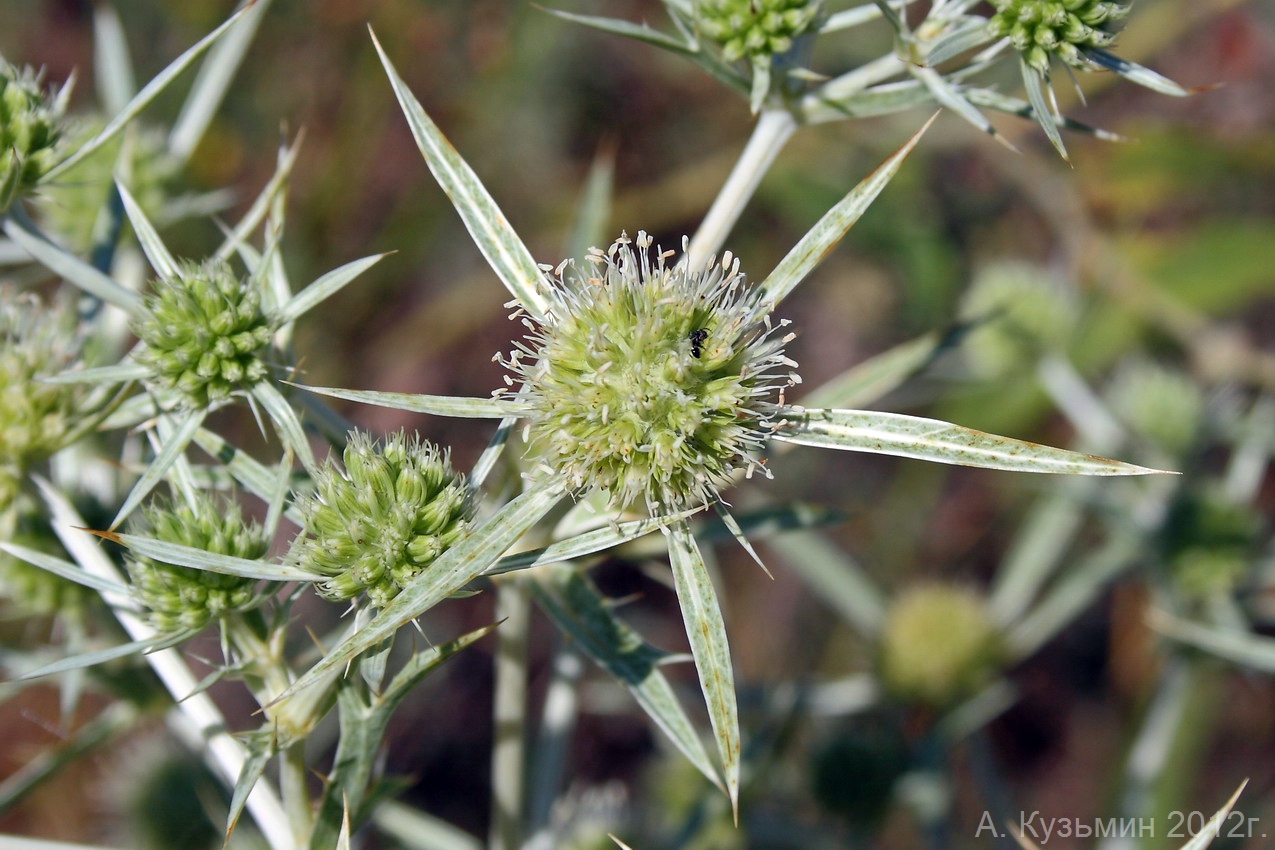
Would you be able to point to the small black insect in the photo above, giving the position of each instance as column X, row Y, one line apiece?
column 698, row 337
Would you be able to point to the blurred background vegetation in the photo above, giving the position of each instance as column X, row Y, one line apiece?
column 1167, row 242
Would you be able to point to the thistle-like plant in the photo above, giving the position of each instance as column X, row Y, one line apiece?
column 31, row 128
column 651, row 380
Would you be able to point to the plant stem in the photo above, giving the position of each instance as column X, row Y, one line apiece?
column 774, row 128
column 509, row 715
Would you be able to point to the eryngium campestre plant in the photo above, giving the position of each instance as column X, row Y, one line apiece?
column 180, row 598
column 754, row 28
column 204, row 333
column 382, row 521
column 1043, row 29
column 30, row 129
column 650, row 382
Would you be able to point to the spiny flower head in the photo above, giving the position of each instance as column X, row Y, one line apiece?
column 754, row 28
column 35, row 416
column 179, row 598
column 1161, row 404
column 30, row 129
column 1043, row 29
column 651, row 382
column 939, row 644
column 380, row 522
column 205, row 333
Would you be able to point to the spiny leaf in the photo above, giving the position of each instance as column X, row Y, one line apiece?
column 502, row 247
column 435, row 405
column 706, row 631
column 941, row 442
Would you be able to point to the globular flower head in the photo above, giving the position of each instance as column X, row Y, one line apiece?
column 380, row 522
column 754, row 28
column 30, row 130
column 205, row 333
column 35, row 417
column 179, row 598
column 1210, row 542
column 1160, row 404
column 653, row 383
column 939, row 644
column 1043, row 29
column 1023, row 312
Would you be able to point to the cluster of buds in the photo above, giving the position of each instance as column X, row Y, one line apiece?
column 754, row 28
column 1043, row 29
column 380, row 522
column 650, row 382
column 204, row 333
column 180, row 598
column 30, row 129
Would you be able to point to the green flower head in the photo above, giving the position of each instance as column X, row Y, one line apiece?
column 35, row 417
column 1043, row 29
column 754, row 28
column 380, row 522
column 205, row 333
column 179, row 598
column 653, row 383
column 30, row 130
column 939, row 645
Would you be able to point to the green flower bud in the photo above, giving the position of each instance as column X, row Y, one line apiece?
column 35, row 417
column 205, row 334
column 1024, row 312
column 376, row 526
column 939, row 645
column 1163, row 405
column 754, row 28
column 1043, row 29
column 178, row 597
column 649, row 382
column 30, row 132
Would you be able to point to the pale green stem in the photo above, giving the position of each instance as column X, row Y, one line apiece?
column 1082, row 407
column 557, row 724
column 195, row 718
column 293, row 775
column 509, row 713
column 774, row 128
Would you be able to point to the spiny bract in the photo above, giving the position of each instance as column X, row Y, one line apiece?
column 650, row 382
column 30, row 132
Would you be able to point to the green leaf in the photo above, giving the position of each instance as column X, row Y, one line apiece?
column 286, row 422
column 117, row 374
column 835, row 579
column 212, row 82
column 1135, row 73
column 870, row 381
column 260, row 749
column 64, row 569
column 1240, row 647
column 576, row 607
column 1213, row 828
column 435, row 405
column 967, row 35
column 947, row 94
column 261, row 481
column 1036, row 83
column 167, row 456
column 706, row 631
column 112, row 67
column 584, row 544
column 90, row 659
column 496, row 239
column 143, row 98
column 857, row 15
column 934, row 440
column 161, row 260
column 827, row 232
column 200, row 559
column 325, row 287
column 261, row 205
column 455, row 568
column 61, row 262
column 638, row 32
